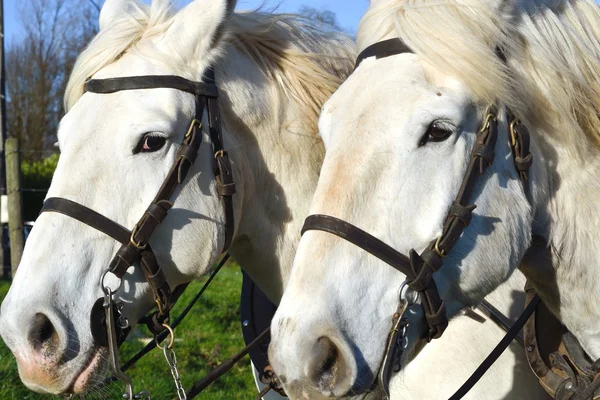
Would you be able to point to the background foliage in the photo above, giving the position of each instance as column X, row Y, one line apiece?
column 36, row 175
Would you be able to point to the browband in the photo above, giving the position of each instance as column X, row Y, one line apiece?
column 113, row 85
column 386, row 48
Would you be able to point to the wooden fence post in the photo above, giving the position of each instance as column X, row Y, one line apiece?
column 15, row 202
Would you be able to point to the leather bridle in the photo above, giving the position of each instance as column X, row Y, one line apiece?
column 420, row 268
column 135, row 250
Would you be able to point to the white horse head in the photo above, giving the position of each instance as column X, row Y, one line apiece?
column 273, row 72
column 399, row 134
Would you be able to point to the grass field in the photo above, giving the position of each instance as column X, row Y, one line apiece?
column 209, row 335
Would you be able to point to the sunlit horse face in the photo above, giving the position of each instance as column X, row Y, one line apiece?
column 398, row 136
column 116, row 150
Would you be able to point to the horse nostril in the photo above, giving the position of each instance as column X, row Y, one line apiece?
column 328, row 371
column 42, row 333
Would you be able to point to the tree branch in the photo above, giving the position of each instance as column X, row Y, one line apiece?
column 95, row 5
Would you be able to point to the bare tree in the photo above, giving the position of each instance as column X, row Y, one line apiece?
column 323, row 17
column 38, row 67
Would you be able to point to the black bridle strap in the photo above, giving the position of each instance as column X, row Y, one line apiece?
column 113, row 85
column 360, row 238
column 87, row 216
column 225, row 366
column 498, row 350
column 385, row 48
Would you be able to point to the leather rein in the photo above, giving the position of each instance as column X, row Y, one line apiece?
column 420, row 268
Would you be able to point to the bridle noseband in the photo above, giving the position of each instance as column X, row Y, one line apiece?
column 135, row 247
column 420, row 268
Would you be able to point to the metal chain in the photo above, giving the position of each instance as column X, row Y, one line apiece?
column 172, row 361
column 171, row 358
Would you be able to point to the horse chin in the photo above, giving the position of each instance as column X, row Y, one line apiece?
column 92, row 371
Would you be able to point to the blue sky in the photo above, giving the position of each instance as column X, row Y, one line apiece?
column 348, row 11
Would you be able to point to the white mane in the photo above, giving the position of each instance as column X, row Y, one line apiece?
column 552, row 77
column 307, row 63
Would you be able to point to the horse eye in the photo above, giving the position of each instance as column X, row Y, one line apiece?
column 438, row 131
column 151, row 143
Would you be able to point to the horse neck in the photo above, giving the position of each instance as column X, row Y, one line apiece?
column 277, row 160
column 568, row 216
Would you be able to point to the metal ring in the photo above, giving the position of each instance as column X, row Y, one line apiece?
column 403, row 290
column 171, row 335
column 105, row 288
column 403, row 295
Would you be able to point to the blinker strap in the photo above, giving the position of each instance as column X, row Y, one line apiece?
column 386, row 48
column 88, row 217
column 113, row 85
column 360, row 238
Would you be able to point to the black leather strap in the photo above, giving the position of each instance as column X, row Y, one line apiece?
column 497, row 352
column 88, row 217
column 222, row 169
column 360, row 238
column 386, row 48
column 113, row 85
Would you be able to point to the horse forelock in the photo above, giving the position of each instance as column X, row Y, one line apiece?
column 306, row 63
column 552, row 78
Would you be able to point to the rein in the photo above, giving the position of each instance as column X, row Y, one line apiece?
column 420, row 268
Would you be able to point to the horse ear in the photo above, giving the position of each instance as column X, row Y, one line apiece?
column 198, row 26
column 113, row 9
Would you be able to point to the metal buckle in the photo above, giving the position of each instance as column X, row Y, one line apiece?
column 486, row 124
column 438, row 251
column 191, row 128
column 137, row 245
column 160, row 307
column 220, row 154
column 513, row 134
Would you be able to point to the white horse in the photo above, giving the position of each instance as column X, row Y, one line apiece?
column 274, row 73
column 398, row 135
column 273, row 90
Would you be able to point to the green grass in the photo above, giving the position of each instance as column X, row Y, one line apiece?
column 210, row 334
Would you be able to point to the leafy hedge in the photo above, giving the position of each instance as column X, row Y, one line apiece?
column 36, row 175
